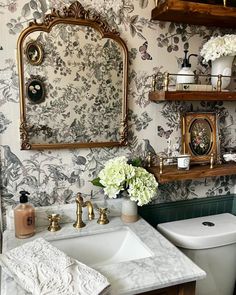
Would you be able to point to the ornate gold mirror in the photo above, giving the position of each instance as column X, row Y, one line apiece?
column 73, row 82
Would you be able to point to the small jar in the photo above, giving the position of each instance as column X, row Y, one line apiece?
column 183, row 162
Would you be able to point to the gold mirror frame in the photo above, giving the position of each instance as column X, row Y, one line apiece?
column 75, row 14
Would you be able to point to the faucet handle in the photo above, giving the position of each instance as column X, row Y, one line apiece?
column 54, row 222
column 79, row 198
column 103, row 219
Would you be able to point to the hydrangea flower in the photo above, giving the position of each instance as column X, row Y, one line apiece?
column 142, row 186
column 117, row 176
column 219, row 46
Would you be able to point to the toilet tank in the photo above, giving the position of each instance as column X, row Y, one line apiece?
column 210, row 242
column 202, row 232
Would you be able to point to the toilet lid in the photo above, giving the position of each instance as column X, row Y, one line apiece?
column 202, row 232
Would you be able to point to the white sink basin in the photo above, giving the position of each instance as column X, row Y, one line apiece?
column 104, row 248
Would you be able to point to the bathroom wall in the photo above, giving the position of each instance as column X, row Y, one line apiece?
column 54, row 176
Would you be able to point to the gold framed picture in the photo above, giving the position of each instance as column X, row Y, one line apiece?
column 34, row 53
column 199, row 136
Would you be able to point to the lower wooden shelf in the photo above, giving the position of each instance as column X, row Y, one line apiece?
column 171, row 173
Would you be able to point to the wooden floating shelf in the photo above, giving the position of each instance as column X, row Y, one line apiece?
column 195, row 13
column 171, row 173
column 191, row 95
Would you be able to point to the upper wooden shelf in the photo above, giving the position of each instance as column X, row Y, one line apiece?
column 191, row 95
column 171, row 173
column 195, row 13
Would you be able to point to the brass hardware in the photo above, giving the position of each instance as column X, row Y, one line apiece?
column 166, row 81
column 54, row 222
column 161, row 165
column 149, row 159
column 161, row 162
column 211, row 161
column 103, row 216
column 219, row 83
column 80, row 204
column 154, row 82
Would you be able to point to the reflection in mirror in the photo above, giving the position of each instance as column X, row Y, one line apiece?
column 84, row 86
column 84, row 73
column 34, row 90
column 34, row 53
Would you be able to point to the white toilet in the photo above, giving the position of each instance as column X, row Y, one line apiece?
column 210, row 242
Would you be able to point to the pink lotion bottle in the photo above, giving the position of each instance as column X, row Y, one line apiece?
column 24, row 217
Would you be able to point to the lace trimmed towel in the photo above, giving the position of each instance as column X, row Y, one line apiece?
column 42, row 269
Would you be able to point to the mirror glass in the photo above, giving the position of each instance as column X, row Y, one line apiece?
column 73, row 87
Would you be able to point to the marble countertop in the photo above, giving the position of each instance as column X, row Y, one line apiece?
column 167, row 267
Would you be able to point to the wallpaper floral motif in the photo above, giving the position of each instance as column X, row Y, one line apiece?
column 55, row 176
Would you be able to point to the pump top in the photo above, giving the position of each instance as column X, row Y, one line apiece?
column 186, row 63
column 23, row 196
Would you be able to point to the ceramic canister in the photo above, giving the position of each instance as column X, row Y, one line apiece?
column 183, row 161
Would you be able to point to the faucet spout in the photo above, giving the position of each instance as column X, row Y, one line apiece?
column 80, row 204
column 89, row 205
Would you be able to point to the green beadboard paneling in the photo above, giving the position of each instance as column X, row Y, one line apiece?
column 234, row 206
column 172, row 211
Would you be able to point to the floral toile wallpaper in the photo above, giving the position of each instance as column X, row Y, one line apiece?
column 55, row 176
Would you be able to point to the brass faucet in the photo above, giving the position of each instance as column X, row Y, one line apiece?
column 80, row 204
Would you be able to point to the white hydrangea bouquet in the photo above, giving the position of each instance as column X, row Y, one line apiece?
column 219, row 46
column 119, row 176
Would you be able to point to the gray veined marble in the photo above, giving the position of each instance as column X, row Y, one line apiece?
column 167, row 267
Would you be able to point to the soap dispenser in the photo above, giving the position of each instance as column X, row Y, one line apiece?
column 186, row 69
column 24, row 217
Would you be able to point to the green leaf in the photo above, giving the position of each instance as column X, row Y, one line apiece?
column 96, row 181
column 136, row 162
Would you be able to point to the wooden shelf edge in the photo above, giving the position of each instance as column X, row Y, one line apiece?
column 192, row 95
column 171, row 173
column 195, row 13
